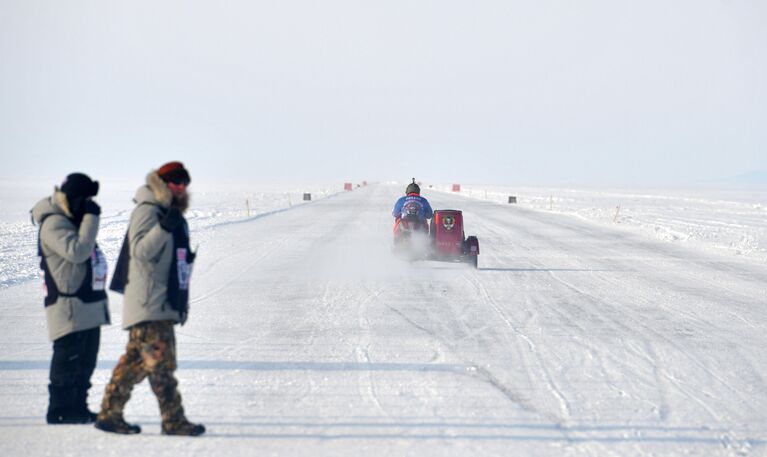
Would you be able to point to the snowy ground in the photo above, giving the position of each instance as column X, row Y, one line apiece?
column 574, row 337
column 209, row 209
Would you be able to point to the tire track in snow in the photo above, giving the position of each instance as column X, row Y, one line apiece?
column 366, row 381
column 548, row 380
column 663, row 375
column 642, row 298
column 475, row 372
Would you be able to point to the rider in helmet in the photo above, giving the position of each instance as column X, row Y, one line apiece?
column 412, row 207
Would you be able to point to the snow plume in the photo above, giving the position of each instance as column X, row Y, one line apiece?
column 363, row 255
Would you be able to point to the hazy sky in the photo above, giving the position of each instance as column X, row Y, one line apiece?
column 562, row 92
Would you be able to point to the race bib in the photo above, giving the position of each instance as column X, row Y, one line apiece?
column 184, row 269
column 45, row 286
column 99, row 268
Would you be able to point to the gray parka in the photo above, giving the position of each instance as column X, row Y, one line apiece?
column 151, row 254
column 67, row 251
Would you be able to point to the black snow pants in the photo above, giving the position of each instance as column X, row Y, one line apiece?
column 73, row 362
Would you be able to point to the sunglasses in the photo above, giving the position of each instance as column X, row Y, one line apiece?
column 179, row 181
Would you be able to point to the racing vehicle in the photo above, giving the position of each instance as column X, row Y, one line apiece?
column 443, row 240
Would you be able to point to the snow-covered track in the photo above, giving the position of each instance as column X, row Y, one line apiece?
column 306, row 337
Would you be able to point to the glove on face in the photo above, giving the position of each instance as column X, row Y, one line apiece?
column 170, row 220
column 91, row 207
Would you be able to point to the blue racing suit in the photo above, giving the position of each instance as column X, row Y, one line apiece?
column 412, row 204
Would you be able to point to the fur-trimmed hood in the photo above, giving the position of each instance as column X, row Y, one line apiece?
column 155, row 191
column 55, row 204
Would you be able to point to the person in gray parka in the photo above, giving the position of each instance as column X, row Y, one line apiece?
column 74, row 271
column 156, row 298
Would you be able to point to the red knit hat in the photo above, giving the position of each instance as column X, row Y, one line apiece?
column 174, row 172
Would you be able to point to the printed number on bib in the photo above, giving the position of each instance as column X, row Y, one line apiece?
column 41, row 274
column 99, row 268
column 184, row 269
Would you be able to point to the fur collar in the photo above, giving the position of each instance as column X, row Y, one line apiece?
column 60, row 199
column 159, row 189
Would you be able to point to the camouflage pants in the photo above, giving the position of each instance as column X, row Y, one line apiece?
column 151, row 352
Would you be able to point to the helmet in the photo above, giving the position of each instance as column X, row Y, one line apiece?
column 413, row 188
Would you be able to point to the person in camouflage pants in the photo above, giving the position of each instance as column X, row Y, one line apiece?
column 156, row 287
column 151, row 352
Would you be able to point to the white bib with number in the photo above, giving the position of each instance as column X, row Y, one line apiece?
column 184, row 269
column 99, row 268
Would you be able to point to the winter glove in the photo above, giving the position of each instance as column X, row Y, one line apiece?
column 170, row 220
column 91, row 207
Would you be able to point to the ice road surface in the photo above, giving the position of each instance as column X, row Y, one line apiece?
column 733, row 222
column 574, row 337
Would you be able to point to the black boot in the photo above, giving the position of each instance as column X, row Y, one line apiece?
column 116, row 425
column 63, row 391
column 182, row 427
column 89, row 348
column 61, row 407
column 66, row 418
column 85, row 416
column 81, row 406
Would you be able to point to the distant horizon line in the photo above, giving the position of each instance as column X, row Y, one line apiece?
column 753, row 179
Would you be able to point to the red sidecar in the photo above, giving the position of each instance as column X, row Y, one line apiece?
column 448, row 241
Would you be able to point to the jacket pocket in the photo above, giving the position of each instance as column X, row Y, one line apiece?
column 88, row 315
column 139, row 283
column 148, row 292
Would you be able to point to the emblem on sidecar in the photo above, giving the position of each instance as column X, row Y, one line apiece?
column 448, row 222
